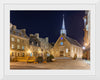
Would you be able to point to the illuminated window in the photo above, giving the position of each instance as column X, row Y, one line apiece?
column 12, row 46
column 18, row 40
column 30, row 54
column 23, row 47
column 61, row 38
column 61, row 43
column 75, row 50
column 12, row 39
column 67, row 50
column 18, row 46
column 87, row 27
column 72, row 49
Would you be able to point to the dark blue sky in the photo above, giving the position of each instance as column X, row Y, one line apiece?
column 49, row 23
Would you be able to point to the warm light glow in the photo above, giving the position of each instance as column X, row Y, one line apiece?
column 67, row 50
column 83, row 47
column 85, row 44
column 29, row 51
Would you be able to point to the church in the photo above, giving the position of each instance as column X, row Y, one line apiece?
column 66, row 46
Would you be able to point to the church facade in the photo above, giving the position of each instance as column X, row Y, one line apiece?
column 66, row 46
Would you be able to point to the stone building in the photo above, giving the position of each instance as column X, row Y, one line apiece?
column 86, row 44
column 19, row 42
column 66, row 46
column 34, row 45
column 39, row 46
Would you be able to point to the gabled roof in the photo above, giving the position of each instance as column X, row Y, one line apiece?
column 72, row 41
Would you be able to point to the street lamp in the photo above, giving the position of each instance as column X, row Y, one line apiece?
column 83, row 48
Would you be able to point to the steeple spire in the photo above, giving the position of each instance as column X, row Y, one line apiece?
column 63, row 30
column 63, row 24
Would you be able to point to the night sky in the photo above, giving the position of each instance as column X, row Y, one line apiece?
column 49, row 23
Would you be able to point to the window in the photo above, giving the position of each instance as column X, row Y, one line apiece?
column 12, row 46
column 61, row 43
column 67, row 50
column 18, row 54
column 23, row 54
column 30, row 54
column 23, row 41
column 18, row 46
column 72, row 49
column 18, row 40
column 23, row 47
column 61, row 38
column 12, row 53
column 75, row 50
column 12, row 39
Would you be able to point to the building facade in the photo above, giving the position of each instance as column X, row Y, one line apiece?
column 86, row 43
column 22, row 46
column 66, row 46
column 39, row 46
column 19, row 42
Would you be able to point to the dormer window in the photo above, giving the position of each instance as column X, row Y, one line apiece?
column 19, row 34
column 25, row 36
column 14, row 32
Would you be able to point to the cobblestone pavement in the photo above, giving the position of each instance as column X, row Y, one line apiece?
column 58, row 64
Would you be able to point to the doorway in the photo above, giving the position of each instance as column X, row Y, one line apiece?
column 61, row 53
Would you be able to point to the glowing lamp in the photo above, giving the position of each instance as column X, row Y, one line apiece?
column 85, row 44
column 83, row 48
column 29, row 51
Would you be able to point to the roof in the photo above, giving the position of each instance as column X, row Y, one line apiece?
column 35, row 40
column 72, row 41
column 17, row 32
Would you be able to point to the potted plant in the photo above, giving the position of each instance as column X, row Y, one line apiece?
column 39, row 59
column 75, row 57
column 50, row 58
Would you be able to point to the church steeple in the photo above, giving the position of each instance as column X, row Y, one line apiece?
column 63, row 30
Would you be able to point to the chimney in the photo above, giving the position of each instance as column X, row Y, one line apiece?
column 37, row 35
column 11, row 26
column 31, row 35
column 24, row 31
column 14, row 27
column 47, row 39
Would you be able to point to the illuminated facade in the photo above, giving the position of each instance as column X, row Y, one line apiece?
column 19, row 42
column 22, row 46
column 86, row 44
column 66, row 46
column 39, row 46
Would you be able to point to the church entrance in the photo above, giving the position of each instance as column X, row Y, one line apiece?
column 61, row 53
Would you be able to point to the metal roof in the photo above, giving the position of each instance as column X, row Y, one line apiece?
column 72, row 41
